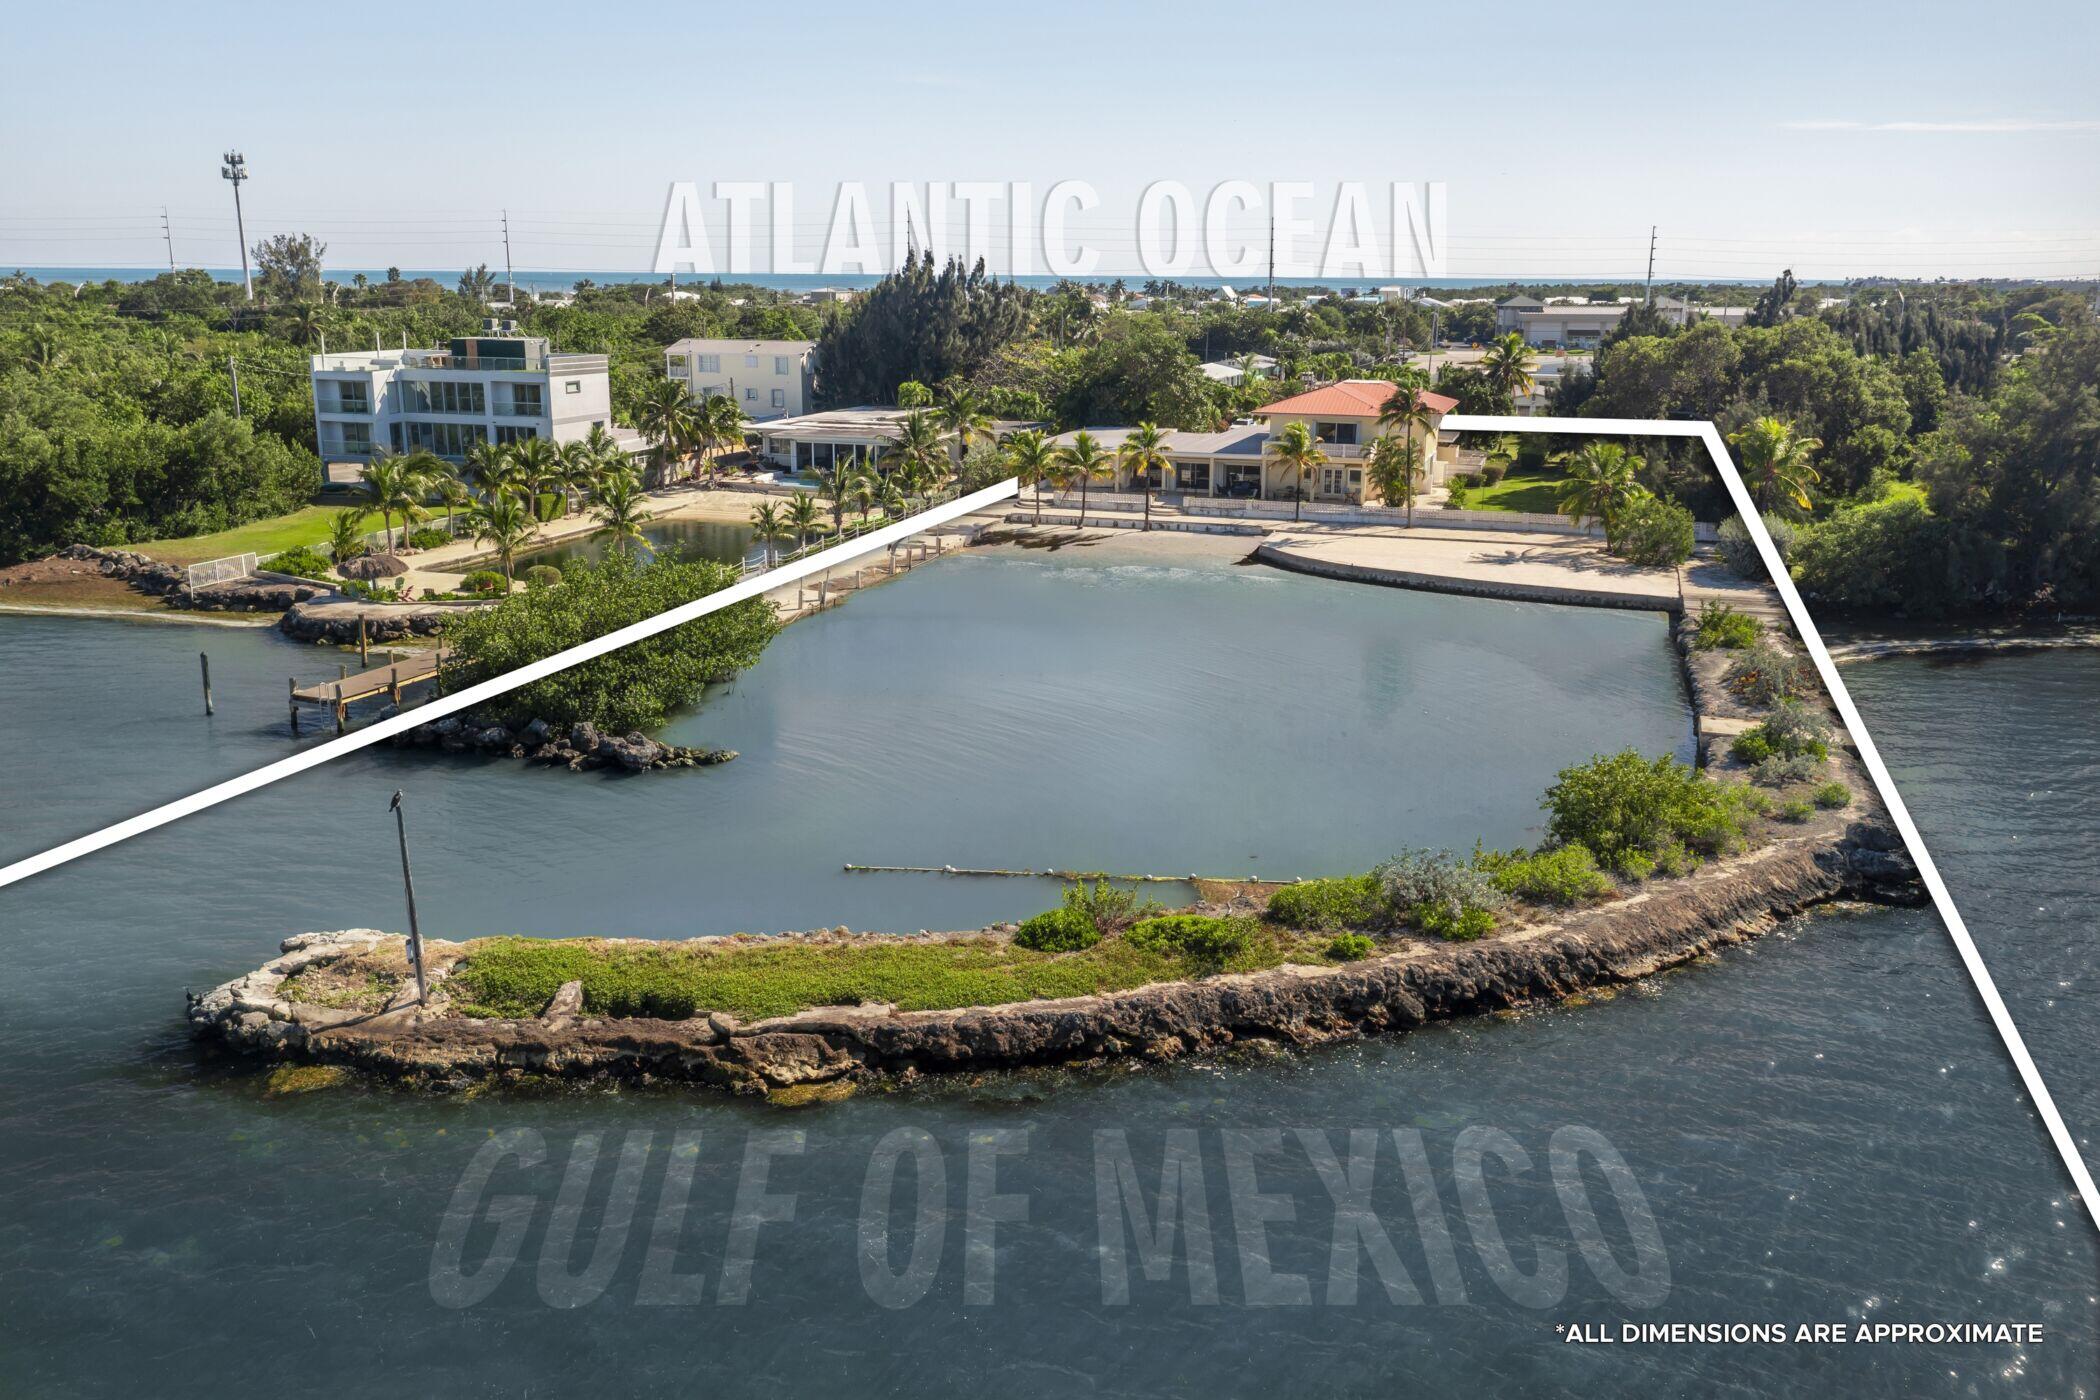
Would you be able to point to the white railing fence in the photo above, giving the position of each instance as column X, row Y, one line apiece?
column 227, row 570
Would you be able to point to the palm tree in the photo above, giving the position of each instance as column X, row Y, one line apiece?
column 963, row 415
column 1143, row 451
column 539, row 464
column 667, row 418
column 770, row 525
column 1033, row 458
column 802, row 514
column 1602, row 478
column 1085, row 458
column 1776, row 462
column 1406, row 411
column 346, row 536
column 396, row 487
column 865, row 490
column 717, row 424
column 1507, row 365
column 496, row 471
column 837, row 485
column 1299, row 453
column 617, row 501
column 501, row 521
column 918, row 451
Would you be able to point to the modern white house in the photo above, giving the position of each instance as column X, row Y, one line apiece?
column 767, row 378
column 495, row 387
column 1236, row 462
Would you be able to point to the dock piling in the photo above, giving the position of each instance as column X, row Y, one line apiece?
column 291, row 686
column 204, row 665
column 363, row 658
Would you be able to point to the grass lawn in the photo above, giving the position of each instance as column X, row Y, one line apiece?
column 308, row 525
column 515, row 977
column 1533, row 489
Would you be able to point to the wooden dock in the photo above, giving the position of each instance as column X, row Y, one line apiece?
column 390, row 680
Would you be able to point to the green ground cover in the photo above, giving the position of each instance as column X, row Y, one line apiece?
column 308, row 526
column 1534, row 490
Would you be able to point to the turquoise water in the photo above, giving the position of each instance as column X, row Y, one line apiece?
column 1818, row 1125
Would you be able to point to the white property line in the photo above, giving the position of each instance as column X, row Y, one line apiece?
column 751, row 587
column 2015, row 1046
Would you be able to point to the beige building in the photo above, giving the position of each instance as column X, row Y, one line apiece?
column 1236, row 462
column 767, row 378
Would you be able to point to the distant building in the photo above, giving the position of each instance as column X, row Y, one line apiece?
column 1580, row 325
column 1230, row 372
column 495, row 387
column 768, row 378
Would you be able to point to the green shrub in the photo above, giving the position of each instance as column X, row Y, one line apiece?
column 1626, row 806
column 1350, row 947
column 1062, row 930
column 1415, row 879
column 1352, row 901
column 1458, row 492
column 1722, row 627
column 542, row 576
column 1674, row 858
column 1493, row 472
column 1799, row 810
column 1109, row 906
column 1461, row 926
column 483, row 581
column 303, row 561
column 1791, row 731
column 1779, row 771
column 1564, row 876
column 1832, row 795
column 1200, row 938
column 429, row 537
column 1766, row 673
column 1739, row 552
column 1653, row 533
column 637, row 686
column 1469, row 480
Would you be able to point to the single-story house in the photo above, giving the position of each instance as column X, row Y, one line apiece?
column 1229, row 371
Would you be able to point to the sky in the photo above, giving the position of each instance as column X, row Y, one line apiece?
column 1927, row 141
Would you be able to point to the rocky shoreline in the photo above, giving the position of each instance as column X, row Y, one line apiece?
column 171, row 583
column 1665, row 925
column 581, row 746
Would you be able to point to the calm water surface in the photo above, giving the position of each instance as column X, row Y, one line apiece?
column 723, row 541
column 1819, row 1125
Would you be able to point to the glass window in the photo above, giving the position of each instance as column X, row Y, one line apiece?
column 677, row 363
column 707, row 364
column 573, row 386
column 750, row 393
column 780, row 398
column 780, row 364
column 750, row 362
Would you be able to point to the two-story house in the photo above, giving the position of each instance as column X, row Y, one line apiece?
column 767, row 378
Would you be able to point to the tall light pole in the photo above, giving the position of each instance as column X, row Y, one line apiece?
column 415, row 934
column 236, row 170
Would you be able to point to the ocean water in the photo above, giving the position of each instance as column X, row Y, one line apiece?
column 1815, row 1128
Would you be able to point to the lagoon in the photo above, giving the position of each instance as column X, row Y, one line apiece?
column 1819, row 1123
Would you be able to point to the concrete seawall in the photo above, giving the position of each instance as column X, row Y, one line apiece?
column 1280, row 554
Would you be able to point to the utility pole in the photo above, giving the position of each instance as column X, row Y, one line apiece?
column 1649, row 295
column 233, row 368
column 1272, row 263
column 508, row 275
column 408, row 884
column 236, row 170
column 168, row 235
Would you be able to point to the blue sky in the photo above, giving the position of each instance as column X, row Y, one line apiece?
column 1931, row 139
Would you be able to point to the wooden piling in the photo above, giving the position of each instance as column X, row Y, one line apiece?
column 291, row 687
column 363, row 656
column 204, row 665
column 393, row 684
